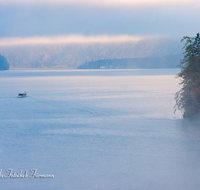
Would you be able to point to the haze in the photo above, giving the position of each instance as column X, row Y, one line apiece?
column 114, row 20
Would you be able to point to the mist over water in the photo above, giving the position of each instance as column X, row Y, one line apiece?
column 97, row 130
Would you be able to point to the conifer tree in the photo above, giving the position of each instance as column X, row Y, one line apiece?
column 4, row 65
column 188, row 97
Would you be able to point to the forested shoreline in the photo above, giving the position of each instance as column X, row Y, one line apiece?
column 170, row 61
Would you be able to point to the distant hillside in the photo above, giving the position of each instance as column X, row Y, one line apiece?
column 4, row 65
column 170, row 61
column 72, row 55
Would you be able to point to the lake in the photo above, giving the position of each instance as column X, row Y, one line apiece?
column 96, row 130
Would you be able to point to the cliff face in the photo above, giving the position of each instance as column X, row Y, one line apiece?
column 4, row 65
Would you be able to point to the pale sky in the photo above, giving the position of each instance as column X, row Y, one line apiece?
column 57, row 21
column 104, row 2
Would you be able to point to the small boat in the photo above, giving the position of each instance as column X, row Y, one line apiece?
column 22, row 94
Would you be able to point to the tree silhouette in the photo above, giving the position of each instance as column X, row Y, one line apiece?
column 188, row 97
column 4, row 65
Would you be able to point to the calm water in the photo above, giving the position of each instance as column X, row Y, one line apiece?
column 97, row 130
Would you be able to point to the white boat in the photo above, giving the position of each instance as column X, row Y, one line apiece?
column 24, row 94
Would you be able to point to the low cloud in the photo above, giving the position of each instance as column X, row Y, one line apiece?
column 70, row 39
column 109, row 3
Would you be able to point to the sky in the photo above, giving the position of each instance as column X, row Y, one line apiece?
column 86, row 21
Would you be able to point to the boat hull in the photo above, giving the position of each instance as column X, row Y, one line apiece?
column 22, row 95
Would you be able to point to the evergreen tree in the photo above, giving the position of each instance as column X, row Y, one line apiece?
column 4, row 65
column 188, row 98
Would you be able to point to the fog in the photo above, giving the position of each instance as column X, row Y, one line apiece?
column 70, row 39
column 109, row 128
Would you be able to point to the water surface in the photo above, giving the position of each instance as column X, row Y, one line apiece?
column 105, row 129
